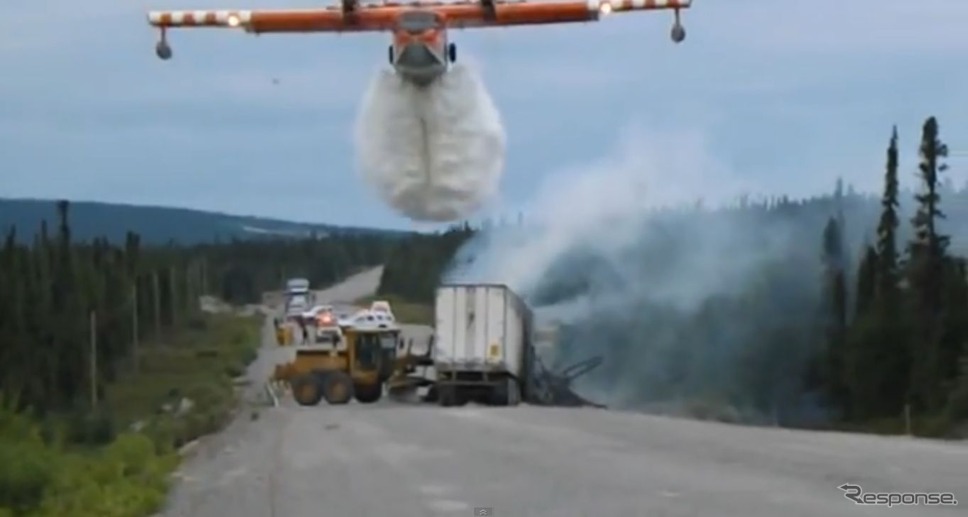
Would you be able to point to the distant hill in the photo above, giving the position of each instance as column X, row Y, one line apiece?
column 157, row 224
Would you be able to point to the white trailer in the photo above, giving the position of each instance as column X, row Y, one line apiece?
column 297, row 286
column 482, row 344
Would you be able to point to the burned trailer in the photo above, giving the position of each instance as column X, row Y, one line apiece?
column 548, row 387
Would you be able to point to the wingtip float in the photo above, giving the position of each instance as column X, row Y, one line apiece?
column 419, row 49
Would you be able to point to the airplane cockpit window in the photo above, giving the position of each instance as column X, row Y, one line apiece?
column 418, row 21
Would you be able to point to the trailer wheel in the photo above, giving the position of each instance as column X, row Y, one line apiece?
column 337, row 388
column 307, row 390
column 506, row 393
column 368, row 393
column 514, row 392
column 446, row 396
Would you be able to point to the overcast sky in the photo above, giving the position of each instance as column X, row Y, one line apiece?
column 776, row 96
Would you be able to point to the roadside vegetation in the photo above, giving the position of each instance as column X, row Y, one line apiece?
column 107, row 366
column 117, row 460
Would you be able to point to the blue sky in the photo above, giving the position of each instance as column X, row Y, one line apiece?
column 777, row 97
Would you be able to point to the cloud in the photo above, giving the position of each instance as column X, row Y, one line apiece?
column 789, row 95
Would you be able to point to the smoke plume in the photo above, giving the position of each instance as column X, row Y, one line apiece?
column 687, row 306
column 433, row 154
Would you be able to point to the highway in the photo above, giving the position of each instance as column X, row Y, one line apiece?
column 391, row 459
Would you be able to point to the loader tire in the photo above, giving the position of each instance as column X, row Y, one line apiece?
column 368, row 393
column 337, row 388
column 307, row 390
column 432, row 395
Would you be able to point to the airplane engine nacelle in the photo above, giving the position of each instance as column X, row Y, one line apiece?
column 163, row 50
column 678, row 33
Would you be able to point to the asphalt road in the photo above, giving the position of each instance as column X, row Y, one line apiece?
column 398, row 460
column 341, row 296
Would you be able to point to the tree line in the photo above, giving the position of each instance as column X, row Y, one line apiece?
column 904, row 346
column 74, row 315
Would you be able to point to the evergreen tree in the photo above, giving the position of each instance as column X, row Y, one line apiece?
column 835, row 311
column 887, row 253
column 877, row 364
column 866, row 282
column 926, row 272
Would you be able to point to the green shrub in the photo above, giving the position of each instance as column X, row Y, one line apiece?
column 91, row 428
column 126, row 479
column 81, row 464
column 27, row 468
column 198, row 323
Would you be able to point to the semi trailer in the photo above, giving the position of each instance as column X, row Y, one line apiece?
column 482, row 344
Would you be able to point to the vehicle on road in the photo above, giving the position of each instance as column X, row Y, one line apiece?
column 296, row 305
column 357, row 365
column 482, row 344
column 368, row 318
column 381, row 306
column 297, row 286
column 326, row 327
column 317, row 310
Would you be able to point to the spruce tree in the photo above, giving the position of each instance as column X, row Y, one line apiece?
column 926, row 272
column 866, row 282
column 887, row 254
column 835, row 312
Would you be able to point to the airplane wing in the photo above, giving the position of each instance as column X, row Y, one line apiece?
column 351, row 16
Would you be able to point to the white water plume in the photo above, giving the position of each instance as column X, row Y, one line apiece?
column 433, row 154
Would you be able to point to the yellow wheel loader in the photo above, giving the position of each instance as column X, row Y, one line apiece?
column 355, row 364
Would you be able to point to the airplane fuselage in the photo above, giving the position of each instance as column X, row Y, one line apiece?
column 420, row 52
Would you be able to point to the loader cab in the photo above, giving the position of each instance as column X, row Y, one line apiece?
column 375, row 352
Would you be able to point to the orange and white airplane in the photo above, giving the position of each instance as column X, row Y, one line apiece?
column 419, row 51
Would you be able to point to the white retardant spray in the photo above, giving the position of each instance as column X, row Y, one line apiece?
column 436, row 153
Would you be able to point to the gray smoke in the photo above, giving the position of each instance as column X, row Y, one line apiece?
column 680, row 303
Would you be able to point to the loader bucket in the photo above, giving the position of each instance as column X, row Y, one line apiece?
column 404, row 394
column 404, row 388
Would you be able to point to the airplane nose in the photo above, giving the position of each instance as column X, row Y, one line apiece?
column 417, row 55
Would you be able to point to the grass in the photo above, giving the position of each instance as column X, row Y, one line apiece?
column 404, row 311
column 117, row 462
column 198, row 366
